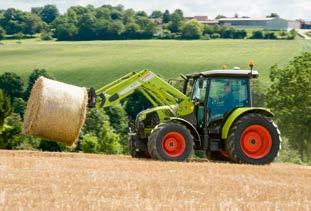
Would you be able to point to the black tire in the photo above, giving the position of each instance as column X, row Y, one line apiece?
column 237, row 152
column 156, row 142
column 134, row 152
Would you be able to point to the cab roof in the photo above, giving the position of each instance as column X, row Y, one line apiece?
column 225, row 73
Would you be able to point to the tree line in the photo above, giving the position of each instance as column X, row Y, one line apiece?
column 114, row 23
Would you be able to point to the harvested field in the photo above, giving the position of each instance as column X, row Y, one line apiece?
column 81, row 181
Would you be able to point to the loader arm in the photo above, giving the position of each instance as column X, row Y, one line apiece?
column 154, row 88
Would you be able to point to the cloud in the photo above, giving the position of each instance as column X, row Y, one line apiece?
column 291, row 9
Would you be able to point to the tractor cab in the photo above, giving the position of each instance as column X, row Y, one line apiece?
column 217, row 93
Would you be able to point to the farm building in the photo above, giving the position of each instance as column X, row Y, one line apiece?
column 265, row 23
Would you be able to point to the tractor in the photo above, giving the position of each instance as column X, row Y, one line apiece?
column 212, row 113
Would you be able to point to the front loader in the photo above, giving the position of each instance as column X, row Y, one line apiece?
column 217, row 116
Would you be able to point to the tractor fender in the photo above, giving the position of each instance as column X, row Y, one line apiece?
column 237, row 113
column 190, row 126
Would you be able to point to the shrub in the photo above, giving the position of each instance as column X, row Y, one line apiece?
column 258, row 34
column 215, row 36
column 12, row 85
column 45, row 35
column 19, row 106
column 192, row 30
column 89, row 144
column 5, row 108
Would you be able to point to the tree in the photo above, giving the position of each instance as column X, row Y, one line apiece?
column 220, row 17
column 156, row 14
column 135, row 103
column 89, row 143
column 86, row 26
column 142, row 14
column 32, row 79
column 13, row 127
column 19, row 106
column 97, row 123
column 176, row 20
column 49, row 13
column 290, row 99
column 166, row 16
column 273, row 15
column 192, row 30
column 258, row 34
column 12, row 85
column 2, row 33
column 5, row 108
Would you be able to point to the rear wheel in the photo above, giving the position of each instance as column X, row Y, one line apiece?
column 170, row 142
column 253, row 139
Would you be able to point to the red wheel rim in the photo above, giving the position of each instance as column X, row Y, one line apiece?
column 174, row 144
column 256, row 141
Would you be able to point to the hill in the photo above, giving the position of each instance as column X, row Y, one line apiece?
column 82, row 181
column 96, row 63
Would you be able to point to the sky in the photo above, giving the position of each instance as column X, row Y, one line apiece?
column 289, row 9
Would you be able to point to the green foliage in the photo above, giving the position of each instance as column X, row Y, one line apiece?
column 156, row 14
column 46, row 35
column 25, row 142
column 12, row 85
column 49, row 146
column 136, row 103
column 118, row 119
column 89, row 144
column 15, row 21
column 287, row 154
column 176, row 21
column 273, row 15
column 32, row 79
column 258, row 34
column 105, row 23
column 258, row 93
column 5, row 108
column 220, row 17
column 224, row 32
column 12, row 127
column 215, row 36
column 19, row 106
column 49, row 13
column 166, row 16
column 192, row 30
column 97, row 124
column 290, row 99
column 2, row 33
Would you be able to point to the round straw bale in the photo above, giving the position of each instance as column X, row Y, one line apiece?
column 55, row 111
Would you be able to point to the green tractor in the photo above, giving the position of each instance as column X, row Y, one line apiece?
column 216, row 116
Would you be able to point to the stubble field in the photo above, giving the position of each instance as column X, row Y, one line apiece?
column 81, row 181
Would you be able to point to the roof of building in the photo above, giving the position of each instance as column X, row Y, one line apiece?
column 247, row 19
column 220, row 73
column 198, row 18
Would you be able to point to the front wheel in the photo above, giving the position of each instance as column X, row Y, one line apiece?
column 170, row 142
column 253, row 139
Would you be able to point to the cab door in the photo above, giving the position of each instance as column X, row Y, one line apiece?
column 226, row 94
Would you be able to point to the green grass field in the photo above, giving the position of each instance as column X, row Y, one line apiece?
column 95, row 63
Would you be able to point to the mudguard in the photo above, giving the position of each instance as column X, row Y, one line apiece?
column 191, row 127
column 239, row 112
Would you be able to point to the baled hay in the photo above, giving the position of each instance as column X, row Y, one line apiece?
column 55, row 111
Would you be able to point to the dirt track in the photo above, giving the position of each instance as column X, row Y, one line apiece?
column 80, row 181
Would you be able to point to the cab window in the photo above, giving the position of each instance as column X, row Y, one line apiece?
column 227, row 94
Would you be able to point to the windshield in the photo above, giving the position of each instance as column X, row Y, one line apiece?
column 227, row 94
